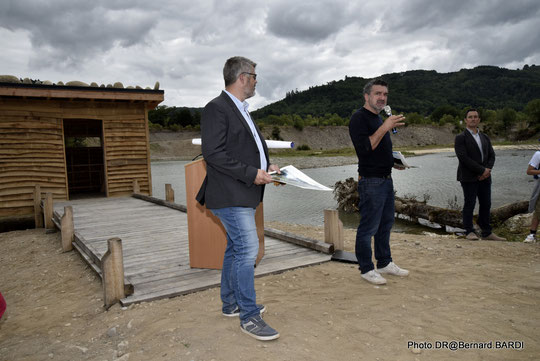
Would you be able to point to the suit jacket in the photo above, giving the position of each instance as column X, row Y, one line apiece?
column 471, row 165
column 231, row 155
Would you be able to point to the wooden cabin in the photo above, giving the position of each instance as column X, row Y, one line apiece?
column 73, row 141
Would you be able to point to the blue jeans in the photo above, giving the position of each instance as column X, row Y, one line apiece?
column 472, row 190
column 238, row 272
column 376, row 207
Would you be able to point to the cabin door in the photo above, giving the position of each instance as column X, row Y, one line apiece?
column 84, row 158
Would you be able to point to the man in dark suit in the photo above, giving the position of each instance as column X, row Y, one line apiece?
column 476, row 159
column 236, row 163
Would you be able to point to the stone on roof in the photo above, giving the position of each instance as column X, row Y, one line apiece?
column 118, row 85
column 76, row 83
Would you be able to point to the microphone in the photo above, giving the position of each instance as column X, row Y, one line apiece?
column 388, row 112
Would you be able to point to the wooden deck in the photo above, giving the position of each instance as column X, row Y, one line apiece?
column 155, row 246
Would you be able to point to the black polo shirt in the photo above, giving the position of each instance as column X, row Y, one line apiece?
column 371, row 163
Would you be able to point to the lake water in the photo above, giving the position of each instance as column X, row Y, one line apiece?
column 435, row 176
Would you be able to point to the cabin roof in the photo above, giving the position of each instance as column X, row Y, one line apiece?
column 73, row 92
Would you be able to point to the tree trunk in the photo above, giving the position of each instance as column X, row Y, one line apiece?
column 346, row 195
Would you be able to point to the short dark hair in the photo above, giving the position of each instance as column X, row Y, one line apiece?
column 235, row 66
column 472, row 110
column 371, row 83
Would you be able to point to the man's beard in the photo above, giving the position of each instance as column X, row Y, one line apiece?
column 250, row 93
column 378, row 107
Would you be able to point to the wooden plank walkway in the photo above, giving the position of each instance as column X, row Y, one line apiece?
column 155, row 246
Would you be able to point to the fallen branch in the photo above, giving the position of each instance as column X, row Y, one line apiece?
column 346, row 195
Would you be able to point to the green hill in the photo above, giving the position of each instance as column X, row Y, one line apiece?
column 420, row 91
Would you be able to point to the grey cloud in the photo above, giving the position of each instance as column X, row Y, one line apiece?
column 510, row 44
column 68, row 32
column 488, row 13
column 473, row 33
column 281, row 74
column 306, row 21
column 417, row 15
column 297, row 44
column 218, row 21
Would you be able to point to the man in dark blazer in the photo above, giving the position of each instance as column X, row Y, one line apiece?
column 236, row 164
column 476, row 159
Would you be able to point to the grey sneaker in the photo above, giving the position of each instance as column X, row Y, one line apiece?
column 374, row 277
column 257, row 328
column 472, row 236
column 494, row 237
column 236, row 311
column 393, row 269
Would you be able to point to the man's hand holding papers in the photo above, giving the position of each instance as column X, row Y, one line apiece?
column 292, row 176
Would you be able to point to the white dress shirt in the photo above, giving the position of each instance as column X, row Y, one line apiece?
column 243, row 107
column 478, row 141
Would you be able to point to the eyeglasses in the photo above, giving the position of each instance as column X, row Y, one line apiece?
column 252, row 74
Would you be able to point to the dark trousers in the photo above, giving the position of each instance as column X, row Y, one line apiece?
column 482, row 191
column 376, row 207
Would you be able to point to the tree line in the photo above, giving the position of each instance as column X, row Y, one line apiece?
column 499, row 122
column 507, row 100
column 419, row 91
column 174, row 118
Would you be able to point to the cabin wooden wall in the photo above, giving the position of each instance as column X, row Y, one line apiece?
column 31, row 152
column 32, row 148
column 127, row 152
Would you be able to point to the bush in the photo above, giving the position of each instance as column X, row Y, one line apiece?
column 303, row 147
column 446, row 119
column 298, row 122
column 276, row 133
column 156, row 127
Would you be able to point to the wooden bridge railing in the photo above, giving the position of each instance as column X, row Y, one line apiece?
column 333, row 229
column 112, row 264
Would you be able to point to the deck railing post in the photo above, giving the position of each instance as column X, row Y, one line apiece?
column 48, row 211
column 136, row 187
column 38, row 213
column 169, row 193
column 333, row 229
column 112, row 266
column 67, row 229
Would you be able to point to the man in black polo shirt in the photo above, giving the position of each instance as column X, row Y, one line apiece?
column 371, row 139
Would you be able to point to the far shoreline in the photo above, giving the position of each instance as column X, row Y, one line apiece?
column 320, row 160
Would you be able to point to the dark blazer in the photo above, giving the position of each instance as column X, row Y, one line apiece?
column 471, row 165
column 231, row 155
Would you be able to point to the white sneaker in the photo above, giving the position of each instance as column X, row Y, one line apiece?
column 393, row 269
column 531, row 238
column 374, row 277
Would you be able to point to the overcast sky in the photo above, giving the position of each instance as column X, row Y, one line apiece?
column 296, row 43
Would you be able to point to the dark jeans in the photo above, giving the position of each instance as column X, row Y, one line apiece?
column 376, row 207
column 482, row 191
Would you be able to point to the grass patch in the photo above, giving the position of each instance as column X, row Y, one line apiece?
column 315, row 153
column 155, row 147
column 421, row 147
column 521, row 142
column 406, row 151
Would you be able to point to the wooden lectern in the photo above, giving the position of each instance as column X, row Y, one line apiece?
column 207, row 237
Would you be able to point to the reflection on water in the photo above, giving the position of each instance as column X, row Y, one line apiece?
column 435, row 176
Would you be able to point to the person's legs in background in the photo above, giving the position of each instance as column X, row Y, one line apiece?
column 484, row 206
column 470, row 190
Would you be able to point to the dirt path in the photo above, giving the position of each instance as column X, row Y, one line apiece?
column 458, row 290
